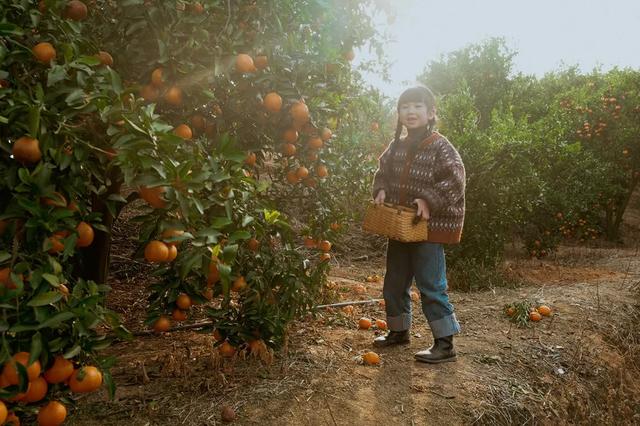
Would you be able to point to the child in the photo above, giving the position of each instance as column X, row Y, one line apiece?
column 424, row 170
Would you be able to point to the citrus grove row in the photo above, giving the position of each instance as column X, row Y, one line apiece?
column 220, row 117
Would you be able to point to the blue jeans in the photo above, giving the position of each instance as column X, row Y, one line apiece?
column 425, row 262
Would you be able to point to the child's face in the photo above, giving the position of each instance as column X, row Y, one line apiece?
column 415, row 114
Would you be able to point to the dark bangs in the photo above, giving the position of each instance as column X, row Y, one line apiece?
column 418, row 94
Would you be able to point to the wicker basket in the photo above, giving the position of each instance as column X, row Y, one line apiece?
column 396, row 222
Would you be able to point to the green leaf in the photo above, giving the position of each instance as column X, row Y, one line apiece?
column 55, row 320
column 220, row 222
column 9, row 29
column 56, row 74
column 247, row 220
column 239, row 235
column 34, row 120
column 36, row 348
column 74, row 351
column 51, row 279
column 116, row 83
column 4, row 256
column 45, row 298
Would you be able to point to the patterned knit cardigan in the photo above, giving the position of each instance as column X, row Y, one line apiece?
column 436, row 175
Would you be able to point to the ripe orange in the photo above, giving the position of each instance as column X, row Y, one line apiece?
column 171, row 233
column 375, row 126
column 371, row 358
column 11, row 374
column 272, row 102
column 253, row 244
column 37, row 390
column 326, row 134
column 227, row 350
column 315, row 143
column 325, row 257
column 149, row 93
column 244, row 63
column 85, row 235
column 364, row 324
column 198, row 122
column 3, row 413
column 292, row 177
column 105, row 58
column 156, row 252
column 85, row 379
column 153, row 196
column 322, row 171
column 173, row 96
column 57, row 200
column 381, row 324
column 261, row 62
column 179, row 315
column 12, row 420
column 217, row 335
column 162, row 324
column 157, row 77
column 173, row 253
column 239, row 284
column 544, row 310
column 348, row 310
column 312, row 156
column 309, row 242
column 325, row 246
column 184, row 301
column 76, row 10
column 56, row 244
column 197, row 8
column 290, row 135
column 300, row 112
column 535, row 316
column 289, row 149
column 26, row 150
column 5, row 279
column 335, row 226
column 302, row 172
column 60, row 371
column 183, row 131
column 214, row 274
column 44, row 52
column 511, row 311
column 250, row 160
column 52, row 414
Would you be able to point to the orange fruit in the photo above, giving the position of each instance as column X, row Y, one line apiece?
column 302, row 172
column 300, row 112
column 179, row 315
column 171, row 233
column 162, row 324
column 183, row 131
column 183, row 301
column 208, row 294
column 239, row 284
column 325, row 257
column 375, row 126
column 153, row 196
column 290, row 135
column 85, row 235
column 292, row 177
column 335, row 226
column 272, row 102
column 253, row 244
column 57, row 200
column 217, row 335
column 173, row 96
column 11, row 374
column 312, row 156
column 197, row 8
column 198, row 122
column 105, row 58
column 315, row 143
column 57, row 245
column 309, row 242
column 44, row 52
column 250, row 160
column 156, row 252
column 349, row 55
column 371, row 358
column 381, row 324
column 157, row 77
column 348, row 310
column 12, row 420
column 326, row 134
column 173, row 253
column 544, row 310
column 37, row 390
column 289, row 149
column 364, row 324
column 52, row 414
column 511, row 311
column 26, row 150
column 227, row 350
column 5, row 278
column 3, row 413
column 149, row 93
column 85, row 379
column 322, row 171
column 244, row 63
column 261, row 62
column 60, row 371
column 359, row 289
column 535, row 316
column 324, row 246
column 76, row 10
column 214, row 274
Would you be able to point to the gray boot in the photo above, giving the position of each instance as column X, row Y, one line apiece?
column 441, row 351
column 393, row 338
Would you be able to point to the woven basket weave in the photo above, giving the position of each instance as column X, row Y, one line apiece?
column 395, row 222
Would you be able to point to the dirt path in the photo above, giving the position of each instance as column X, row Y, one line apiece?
column 563, row 370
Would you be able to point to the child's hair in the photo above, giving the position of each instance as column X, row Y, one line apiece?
column 416, row 94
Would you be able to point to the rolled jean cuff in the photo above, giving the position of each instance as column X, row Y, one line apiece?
column 446, row 326
column 399, row 323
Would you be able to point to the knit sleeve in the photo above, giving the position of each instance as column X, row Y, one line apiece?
column 449, row 183
column 380, row 177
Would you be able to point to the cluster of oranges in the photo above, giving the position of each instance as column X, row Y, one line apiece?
column 323, row 245
column 366, row 324
column 523, row 312
column 80, row 380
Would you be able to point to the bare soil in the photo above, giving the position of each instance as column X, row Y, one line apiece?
column 580, row 366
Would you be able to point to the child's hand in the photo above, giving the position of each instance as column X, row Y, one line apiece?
column 423, row 208
column 380, row 197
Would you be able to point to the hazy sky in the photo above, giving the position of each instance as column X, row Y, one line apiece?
column 545, row 33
